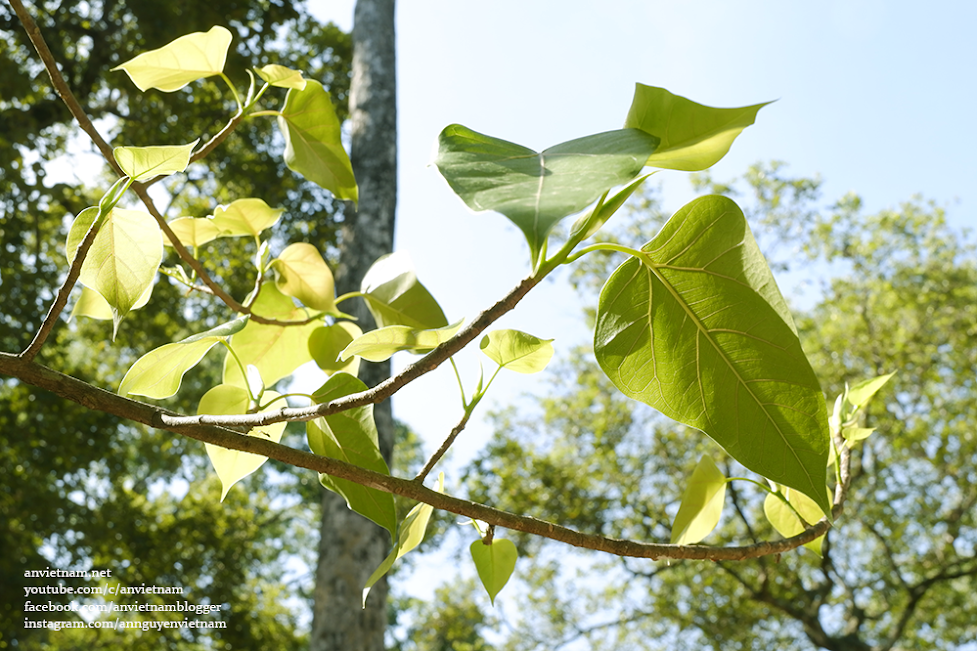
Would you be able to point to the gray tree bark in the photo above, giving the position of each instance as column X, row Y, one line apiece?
column 351, row 546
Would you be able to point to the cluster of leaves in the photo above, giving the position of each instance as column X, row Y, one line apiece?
column 692, row 324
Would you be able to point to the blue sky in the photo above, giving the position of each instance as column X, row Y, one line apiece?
column 876, row 97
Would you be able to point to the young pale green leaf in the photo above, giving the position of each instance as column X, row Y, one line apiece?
column 123, row 259
column 303, row 273
column 275, row 350
column 144, row 163
column 327, row 343
column 861, row 393
column 535, row 190
column 786, row 522
column 495, row 563
column 159, row 373
column 517, row 351
column 281, row 76
column 187, row 59
column 395, row 296
column 702, row 504
column 193, row 231
column 351, row 436
column 92, row 305
column 77, row 231
column 379, row 345
column 697, row 329
column 855, row 434
column 409, row 536
column 233, row 465
column 314, row 147
column 245, row 217
column 692, row 136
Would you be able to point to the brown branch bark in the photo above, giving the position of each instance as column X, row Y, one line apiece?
column 101, row 400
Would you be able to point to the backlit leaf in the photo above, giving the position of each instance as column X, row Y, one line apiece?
column 697, row 329
column 313, row 140
column 691, row 136
column 303, row 273
column 92, row 305
column 123, row 259
column 495, row 563
column 351, row 436
column 861, row 393
column 395, row 296
column 281, row 76
column 144, row 163
column 409, row 536
column 535, row 190
column 233, row 465
column 380, row 344
column 246, row 217
column 327, row 343
column 275, row 350
column 159, row 373
column 187, row 59
column 786, row 522
column 517, row 351
column 193, row 231
column 702, row 504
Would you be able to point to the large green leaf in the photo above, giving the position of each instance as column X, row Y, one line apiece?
column 123, row 259
column 395, row 296
column 380, row 344
column 188, row 58
column 143, row 163
column 303, row 273
column 409, row 536
column 702, row 504
column 314, row 147
column 276, row 351
column 233, row 465
column 159, row 373
column 537, row 189
column 692, row 136
column 351, row 436
column 696, row 328
column 517, row 351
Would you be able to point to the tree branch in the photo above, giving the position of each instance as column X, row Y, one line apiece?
column 455, row 431
column 101, row 400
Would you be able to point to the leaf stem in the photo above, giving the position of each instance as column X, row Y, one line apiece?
column 240, row 365
column 603, row 246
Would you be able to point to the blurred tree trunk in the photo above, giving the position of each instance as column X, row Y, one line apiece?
column 351, row 547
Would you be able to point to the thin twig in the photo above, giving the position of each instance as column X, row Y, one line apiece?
column 429, row 466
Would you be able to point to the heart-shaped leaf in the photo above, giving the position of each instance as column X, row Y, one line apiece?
column 395, row 296
column 233, row 465
column 187, row 59
column 379, row 345
column 702, row 504
column 495, row 563
column 92, row 305
column 159, row 373
column 517, row 351
column 143, row 163
column 245, row 217
column 535, row 190
column 327, row 343
column 692, row 136
column 314, row 147
column 409, row 536
column 351, row 436
column 122, row 261
column 193, row 231
column 696, row 328
column 303, row 273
